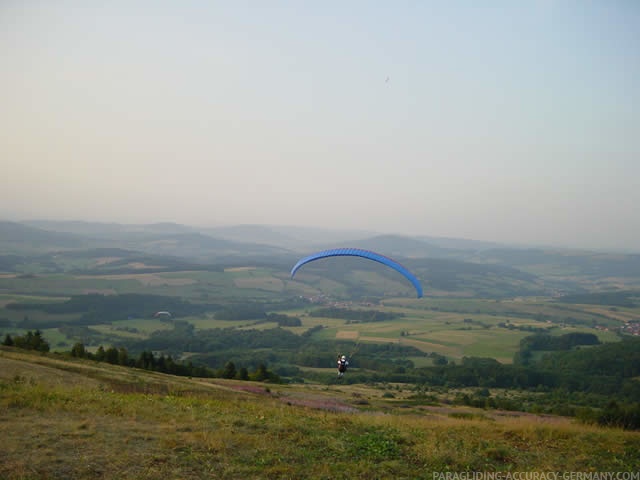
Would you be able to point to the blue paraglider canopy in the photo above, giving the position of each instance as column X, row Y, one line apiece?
column 358, row 252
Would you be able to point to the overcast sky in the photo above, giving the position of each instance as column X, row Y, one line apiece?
column 499, row 120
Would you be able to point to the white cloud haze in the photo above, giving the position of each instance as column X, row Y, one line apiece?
column 514, row 122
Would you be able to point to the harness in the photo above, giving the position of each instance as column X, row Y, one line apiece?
column 342, row 366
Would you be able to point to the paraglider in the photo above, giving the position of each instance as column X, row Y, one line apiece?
column 358, row 252
column 162, row 314
column 343, row 363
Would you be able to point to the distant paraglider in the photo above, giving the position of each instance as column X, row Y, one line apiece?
column 162, row 314
column 357, row 252
column 343, row 363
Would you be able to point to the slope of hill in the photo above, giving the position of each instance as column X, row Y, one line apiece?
column 16, row 237
column 67, row 418
column 594, row 264
column 203, row 247
column 253, row 234
column 398, row 246
column 106, row 230
column 97, row 261
column 460, row 243
column 158, row 239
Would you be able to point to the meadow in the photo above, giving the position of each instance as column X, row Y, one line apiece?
column 70, row 418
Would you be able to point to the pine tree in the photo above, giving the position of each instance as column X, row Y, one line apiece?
column 229, row 370
column 78, row 350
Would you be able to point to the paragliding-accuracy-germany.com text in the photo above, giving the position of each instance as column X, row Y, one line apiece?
column 536, row 475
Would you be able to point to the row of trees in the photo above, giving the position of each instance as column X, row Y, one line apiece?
column 146, row 360
column 617, row 299
column 284, row 320
column 550, row 343
column 613, row 415
column 95, row 308
column 30, row 341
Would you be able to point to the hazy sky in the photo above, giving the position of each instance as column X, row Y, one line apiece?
column 510, row 121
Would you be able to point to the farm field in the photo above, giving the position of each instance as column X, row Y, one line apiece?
column 452, row 327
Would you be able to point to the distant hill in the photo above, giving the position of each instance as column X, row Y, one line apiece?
column 397, row 246
column 302, row 239
column 108, row 230
column 97, row 261
column 460, row 243
column 478, row 279
column 158, row 239
column 577, row 262
column 19, row 237
column 564, row 270
column 309, row 238
column 253, row 234
column 204, row 247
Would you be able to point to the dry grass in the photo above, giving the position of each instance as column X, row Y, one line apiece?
column 81, row 420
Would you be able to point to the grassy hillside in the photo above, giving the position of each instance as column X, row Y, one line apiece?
column 62, row 418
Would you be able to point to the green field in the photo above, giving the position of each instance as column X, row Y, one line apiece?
column 453, row 327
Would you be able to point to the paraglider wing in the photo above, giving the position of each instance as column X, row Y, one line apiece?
column 358, row 252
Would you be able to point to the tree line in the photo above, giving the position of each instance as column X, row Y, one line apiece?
column 146, row 360
column 29, row 341
column 97, row 308
column 616, row 299
column 544, row 342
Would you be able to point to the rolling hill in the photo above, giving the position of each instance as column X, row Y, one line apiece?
column 17, row 237
column 539, row 271
column 156, row 239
